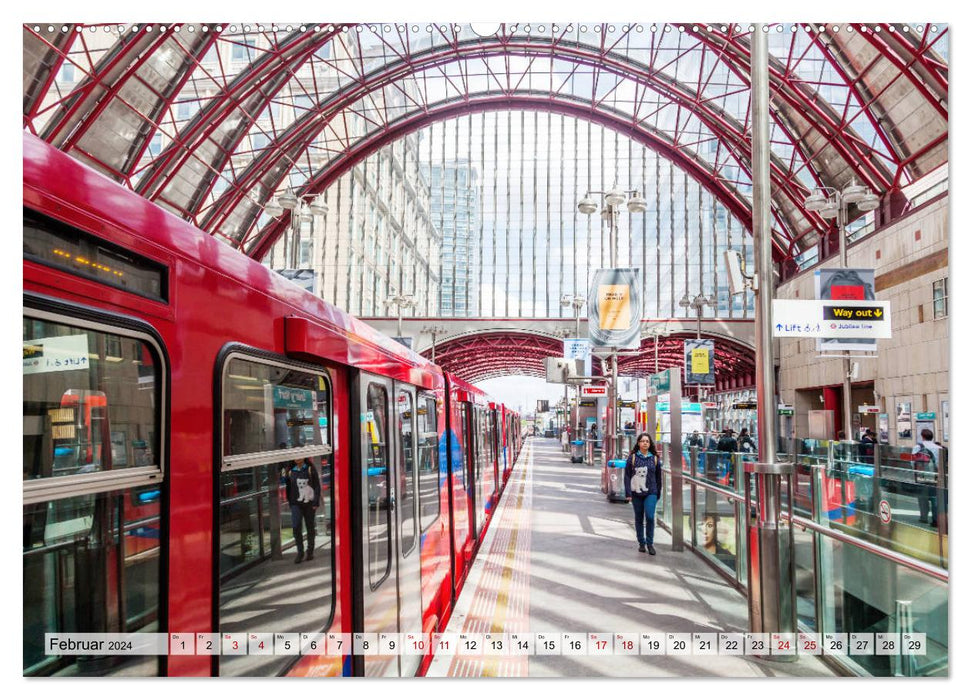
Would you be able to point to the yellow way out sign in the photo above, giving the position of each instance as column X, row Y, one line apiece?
column 820, row 318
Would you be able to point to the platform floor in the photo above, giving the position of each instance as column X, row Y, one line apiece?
column 559, row 558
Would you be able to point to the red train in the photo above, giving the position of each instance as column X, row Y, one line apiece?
column 169, row 383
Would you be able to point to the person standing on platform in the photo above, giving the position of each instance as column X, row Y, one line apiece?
column 927, row 454
column 642, row 484
column 303, row 495
column 746, row 443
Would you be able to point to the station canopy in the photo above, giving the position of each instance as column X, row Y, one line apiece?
column 210, row 121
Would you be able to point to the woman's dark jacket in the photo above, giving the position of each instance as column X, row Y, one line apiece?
column 651, row 475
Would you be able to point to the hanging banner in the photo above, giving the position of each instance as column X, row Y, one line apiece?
column 579, row 349
column 699, row 362
column 615, row 309
column 845, row 284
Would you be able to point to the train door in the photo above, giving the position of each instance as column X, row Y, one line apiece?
column 389, row 567
column 406, row 516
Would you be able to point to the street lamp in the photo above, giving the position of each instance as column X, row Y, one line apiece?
column 832, row 203
column 304, row 207
column 577, row 302
column 434, row 331
column 656, row 332
column 401, row 301
column 612, row 200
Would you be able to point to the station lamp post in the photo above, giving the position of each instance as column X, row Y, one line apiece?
column 612, row 201
column 304, row 208
column 434, row 332
column 401, row 302
column 699, row 303
column 577, row 302
column 833, row 203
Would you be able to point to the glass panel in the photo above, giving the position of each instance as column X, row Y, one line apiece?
column 379, row 515
column 715, row 528
column 407, row 476
column 428, row 476
column 268, row 407
column 890, row 598
column 91, row 565
column 258, row 523
column 90, row 401
column 805, row 566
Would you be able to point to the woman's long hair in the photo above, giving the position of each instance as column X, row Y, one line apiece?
column 652, row 449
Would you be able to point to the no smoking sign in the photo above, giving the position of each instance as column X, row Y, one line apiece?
column 885, row 512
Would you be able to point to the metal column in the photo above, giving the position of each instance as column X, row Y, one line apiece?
column 771, row 587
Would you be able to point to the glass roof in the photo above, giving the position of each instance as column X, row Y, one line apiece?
column 211, row 121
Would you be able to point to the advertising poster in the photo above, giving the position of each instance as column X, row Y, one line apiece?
column 699, row 362
column 615, row 311
column 845, row 284
column 579, row 349
column 883, row 428
column 905, row 421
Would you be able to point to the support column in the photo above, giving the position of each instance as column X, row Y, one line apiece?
column 771, row 586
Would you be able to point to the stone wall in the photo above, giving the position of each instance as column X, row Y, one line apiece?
column 907, row 256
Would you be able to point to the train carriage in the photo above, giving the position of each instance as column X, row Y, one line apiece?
column 170, row 383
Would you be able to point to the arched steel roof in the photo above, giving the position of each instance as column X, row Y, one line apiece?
column 479, row 356
column 211, row 120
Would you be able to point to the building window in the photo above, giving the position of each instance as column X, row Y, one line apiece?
column 940, row 298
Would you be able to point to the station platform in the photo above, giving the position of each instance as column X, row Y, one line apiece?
column 560, row 563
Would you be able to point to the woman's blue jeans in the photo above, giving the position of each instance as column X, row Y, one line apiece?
column 644, row 507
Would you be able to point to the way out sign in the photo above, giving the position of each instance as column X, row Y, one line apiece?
column 816, row 318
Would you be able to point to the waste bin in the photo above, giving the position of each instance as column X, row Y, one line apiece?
column 615, row 480
column 576, row 451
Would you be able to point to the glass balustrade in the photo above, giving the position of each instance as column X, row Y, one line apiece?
column 870, row 538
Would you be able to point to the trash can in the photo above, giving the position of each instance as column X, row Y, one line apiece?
column 615, row 480
column 576, row 451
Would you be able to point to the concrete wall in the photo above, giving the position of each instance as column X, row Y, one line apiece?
column 908, row 257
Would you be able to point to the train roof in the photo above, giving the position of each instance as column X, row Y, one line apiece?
column 50, row 173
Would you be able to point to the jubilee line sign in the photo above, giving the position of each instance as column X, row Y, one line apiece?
column 820, row 318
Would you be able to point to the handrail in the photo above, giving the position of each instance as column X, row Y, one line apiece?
column 888, row 554
column 895, row 557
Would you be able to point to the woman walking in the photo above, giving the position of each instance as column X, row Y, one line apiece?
column 642, row 483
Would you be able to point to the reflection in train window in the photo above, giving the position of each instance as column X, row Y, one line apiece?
column 272, row 407
column 92, row 407
column 376, row 458
column 90, row 401
column 406, row 477
column 276, row 418
column 428, row 476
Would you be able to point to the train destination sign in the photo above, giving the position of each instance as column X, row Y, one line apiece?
column 820, row 318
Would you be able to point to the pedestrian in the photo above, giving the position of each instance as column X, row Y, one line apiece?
column 727, row 443
column 642, row 484
column 303, row 495
column 746, row 443
column 592, row 433
column 696, row 441
column 927, row 455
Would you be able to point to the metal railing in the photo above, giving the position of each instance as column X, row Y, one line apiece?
column 863, row 561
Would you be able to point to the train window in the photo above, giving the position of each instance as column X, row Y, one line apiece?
column 93, row 566
column 379, row 514
column 428, row 477
column 272, row 407
column 91, row 402
column 56, row 244
column 406, row 479
column 275, row 495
